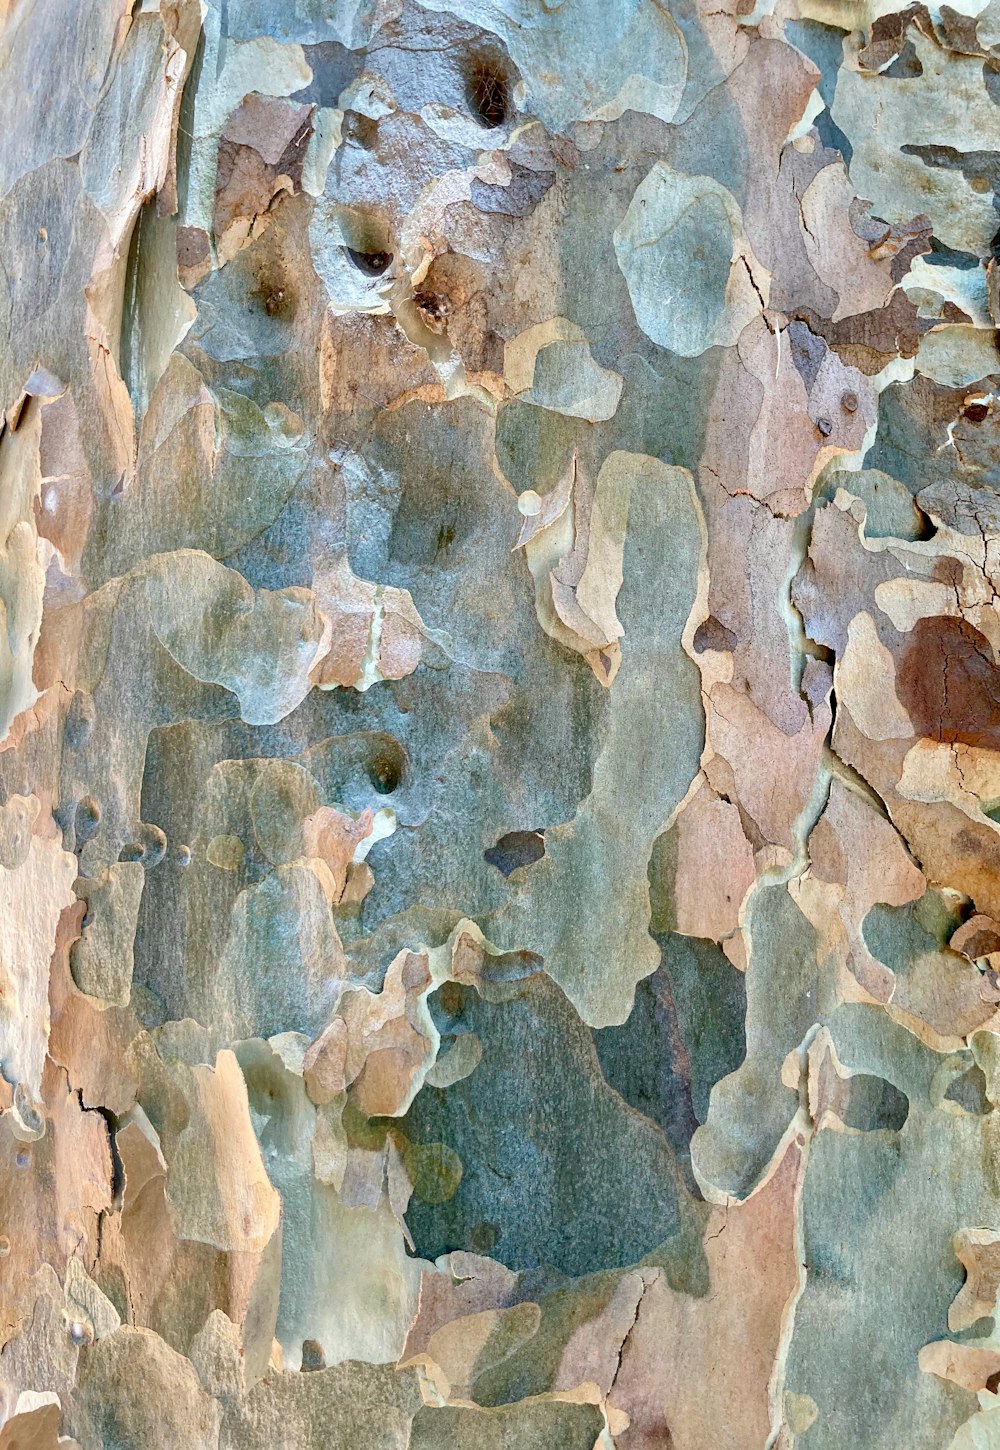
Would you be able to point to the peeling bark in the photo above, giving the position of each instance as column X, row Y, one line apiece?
column 499, row 764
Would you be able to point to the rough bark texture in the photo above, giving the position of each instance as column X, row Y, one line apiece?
column 500, row 719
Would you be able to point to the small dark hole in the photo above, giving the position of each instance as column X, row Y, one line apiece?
column 976, row 412
column 313, row 1357
column 488, row 94
column 516, row 849
column 154, row 845
column 373, row 264
column 273, row 292
column 434, row 309
column 384, row 774
column 88, row 818
column 451, row 998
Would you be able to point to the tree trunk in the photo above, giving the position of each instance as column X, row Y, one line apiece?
column 500, row 719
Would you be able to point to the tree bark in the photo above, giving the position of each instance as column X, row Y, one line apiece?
column 499, row 746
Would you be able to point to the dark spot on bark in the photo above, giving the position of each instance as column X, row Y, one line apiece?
column 487, row 91
column 485, row 1237
column 944, row 256
column 906, row 66
column 88, row 818
column 958, row 32
column 866, row 337
column 154, row 844
column 434, row 309
column 362, row 130
column 192, row 246
column 313, row 1357
column 969, row 1091
column 385, row 772
column 711, row 634
column 519, row 197
column 451, row 998
column 873, row 1104
column 515, row 849
column 373, row 264
column 808, row 351
column 889, row 42
column 949, row 685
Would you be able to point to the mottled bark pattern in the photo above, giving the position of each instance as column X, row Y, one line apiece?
column 499, row 745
